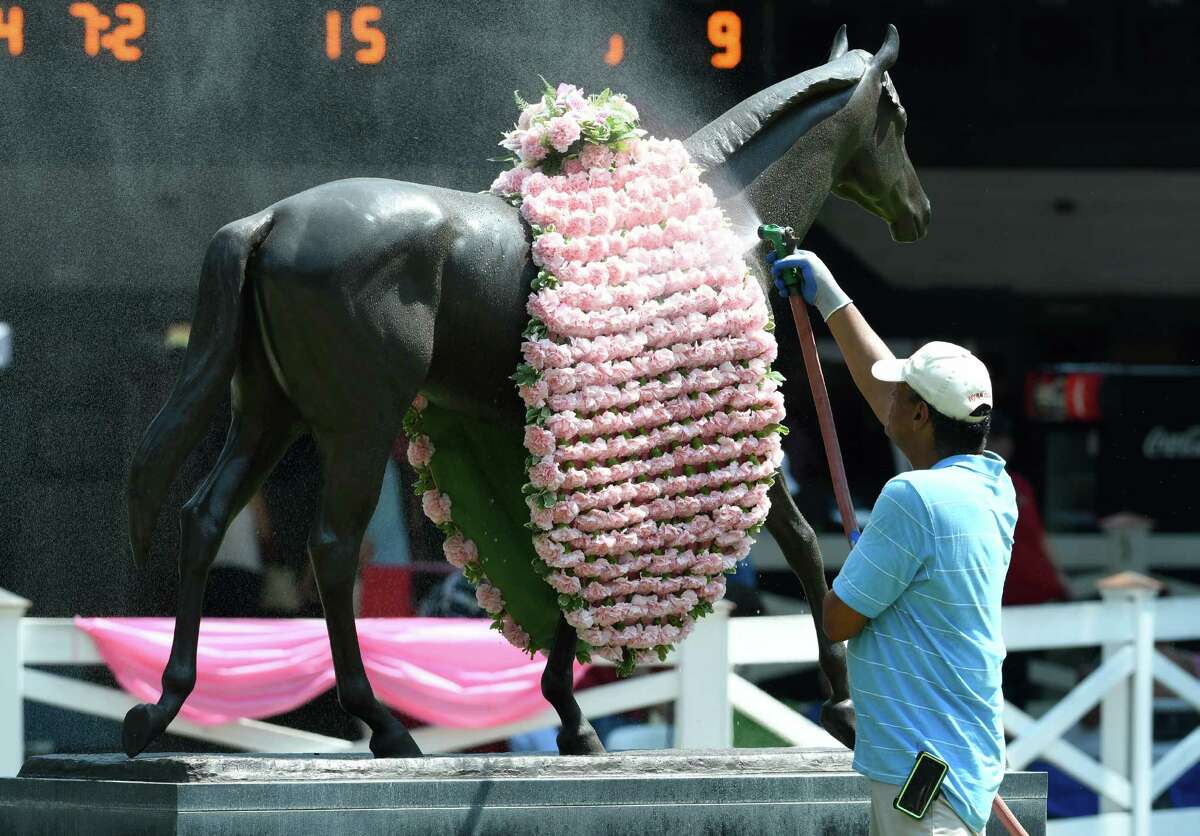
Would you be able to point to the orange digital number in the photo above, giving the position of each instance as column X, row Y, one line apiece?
column 132, row 29
column 364, row 32
column 373, row 40
column 93, row 24
column 12, row 29
column 616, row 49
column 725, row 33
column 333, row 35
column 96, row 34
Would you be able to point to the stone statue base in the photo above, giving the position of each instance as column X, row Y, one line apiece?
column 662, row 792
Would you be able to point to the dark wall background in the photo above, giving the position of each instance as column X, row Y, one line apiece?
column 113, row 176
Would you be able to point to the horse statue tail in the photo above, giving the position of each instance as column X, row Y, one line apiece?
column 212, row 355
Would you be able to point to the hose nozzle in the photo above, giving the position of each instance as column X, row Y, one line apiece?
column 783, row 240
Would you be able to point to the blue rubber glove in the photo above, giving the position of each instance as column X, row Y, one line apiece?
column 817, row 285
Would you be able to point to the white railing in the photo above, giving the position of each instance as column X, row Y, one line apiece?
column 1125, row 625
column 29, row 642
column 1084, row 557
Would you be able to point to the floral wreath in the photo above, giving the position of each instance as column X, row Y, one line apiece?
column 652, row 414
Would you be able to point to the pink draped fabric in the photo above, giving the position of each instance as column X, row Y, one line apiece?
column 452, row 672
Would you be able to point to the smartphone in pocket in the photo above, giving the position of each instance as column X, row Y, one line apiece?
column 922, row 785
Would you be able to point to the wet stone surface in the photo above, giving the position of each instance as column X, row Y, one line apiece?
column 662, row 792
column 206, row 769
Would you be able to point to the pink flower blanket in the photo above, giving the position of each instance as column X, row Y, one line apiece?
column 653, row 416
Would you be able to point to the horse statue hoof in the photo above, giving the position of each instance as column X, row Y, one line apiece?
column 837, row 718
column 395, row 742
column 584, row 741
column 143, row 723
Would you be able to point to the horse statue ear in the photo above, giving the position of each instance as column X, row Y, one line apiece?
column 887, row 54
column 840, row 44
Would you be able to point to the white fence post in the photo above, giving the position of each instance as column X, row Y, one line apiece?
column 1136, row 696
column 1115, row 712
column 703, row 715
column 12, row 690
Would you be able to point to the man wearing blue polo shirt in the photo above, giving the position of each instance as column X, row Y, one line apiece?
column 919, row 596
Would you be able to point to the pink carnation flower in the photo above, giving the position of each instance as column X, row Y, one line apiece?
column 532, row 148
column 564, row 583
column 577, row 223
column 547, row 549
column 572, row 98
column 489, row 598
column 548, row 248
column 562, row 130
column 436, row 506
column 538, row 441
column 459, row 551
column 535, row 184
column 513, row 632
column 534, row 395
column 595, row 156
column 500, row 185
column 545, row 474
column 420, row 451
column 543, row 518
column 517, row 178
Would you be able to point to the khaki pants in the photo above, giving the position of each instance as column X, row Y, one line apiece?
column 886, row 820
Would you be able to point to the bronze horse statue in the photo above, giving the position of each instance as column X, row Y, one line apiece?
column 331, row 309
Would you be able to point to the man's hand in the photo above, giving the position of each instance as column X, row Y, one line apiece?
column 817, row 285
column 859, row 343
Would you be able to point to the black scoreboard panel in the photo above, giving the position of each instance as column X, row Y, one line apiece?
column 133, row 130
column 128, row 131
column 241, row 81
column 146, row 125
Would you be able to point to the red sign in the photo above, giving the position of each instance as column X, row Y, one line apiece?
column 1063, row 397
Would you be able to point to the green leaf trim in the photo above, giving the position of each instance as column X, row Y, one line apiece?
column 480, row 466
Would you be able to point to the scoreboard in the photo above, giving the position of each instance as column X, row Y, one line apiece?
column 120, row 31
column 132, row 130
column 336, row 81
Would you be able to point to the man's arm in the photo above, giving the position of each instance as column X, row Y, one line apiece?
column 883, row 563
column 862, row 347
column 859, row 343
column 840, row 621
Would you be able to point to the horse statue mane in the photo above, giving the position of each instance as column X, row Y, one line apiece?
column 335, row 310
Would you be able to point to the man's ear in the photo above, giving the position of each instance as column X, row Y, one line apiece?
column 921, row 414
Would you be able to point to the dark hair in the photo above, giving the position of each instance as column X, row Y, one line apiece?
column 956, row 438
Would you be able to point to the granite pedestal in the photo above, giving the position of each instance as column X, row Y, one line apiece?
column 751, row 791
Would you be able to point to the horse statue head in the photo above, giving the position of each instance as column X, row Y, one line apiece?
column 879, row 176
column 838, row 127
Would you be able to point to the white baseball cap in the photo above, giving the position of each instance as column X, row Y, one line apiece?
column 951, row 379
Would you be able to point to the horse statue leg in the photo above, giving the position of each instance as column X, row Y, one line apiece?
column 352, row 464
column 799, row 544
column 576, row 737
column 264, row 425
